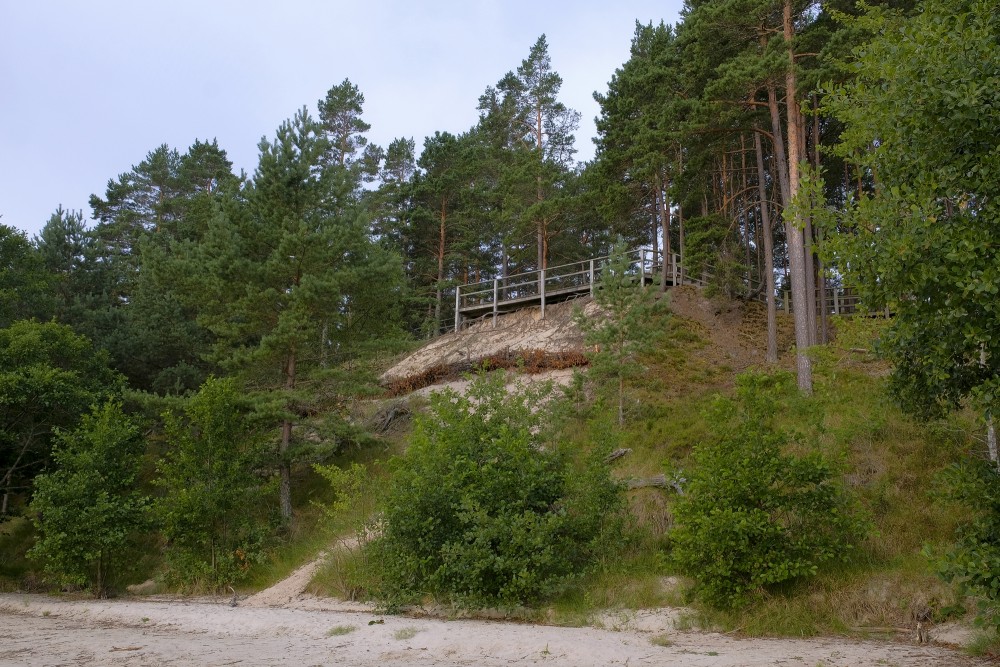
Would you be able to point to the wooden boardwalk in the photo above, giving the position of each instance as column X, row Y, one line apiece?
column 492, row 298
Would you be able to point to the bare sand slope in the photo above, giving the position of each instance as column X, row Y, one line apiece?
column 38, row 630
column 521, row 330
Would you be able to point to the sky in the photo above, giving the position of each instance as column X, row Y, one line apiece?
column 87, row 89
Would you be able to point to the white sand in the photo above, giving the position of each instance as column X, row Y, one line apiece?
column 39, row 630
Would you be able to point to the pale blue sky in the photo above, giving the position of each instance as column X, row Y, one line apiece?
column 88, row 88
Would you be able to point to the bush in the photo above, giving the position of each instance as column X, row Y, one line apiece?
column 479, row 512
column 218, row 500
column 973, row 563
column 752, row 516
column 87, row 509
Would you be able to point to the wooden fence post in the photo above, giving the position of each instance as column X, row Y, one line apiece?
column 458, row 305
column 496, row 291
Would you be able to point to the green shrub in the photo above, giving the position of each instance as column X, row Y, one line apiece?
column 752, row 516
column 974, row 560
column 218, row 499
column 481, row 512
column 87, row 508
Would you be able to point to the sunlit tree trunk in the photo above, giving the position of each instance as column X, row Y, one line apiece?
column 796, row 239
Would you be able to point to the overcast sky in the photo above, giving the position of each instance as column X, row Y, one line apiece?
column 87, row 89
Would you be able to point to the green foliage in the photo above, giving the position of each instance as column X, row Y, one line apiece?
column 49, row 377
column 87, row 508
column 118, row 290
column 217, row 505
column 532, row 136
column 288, row 282
column 921, row 115
column 623, row 331
column 860, row 333
column 752, row 516
column 636, row 143
column 356, row 495
column 973, row 562
column 482, row 512
column 25, row 286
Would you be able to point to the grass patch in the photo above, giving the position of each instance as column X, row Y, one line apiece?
column 340, row 630
column 405, row 633
column 661, row 640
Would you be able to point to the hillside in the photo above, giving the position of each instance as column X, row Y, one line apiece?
column 887, row 461
column 732, row 333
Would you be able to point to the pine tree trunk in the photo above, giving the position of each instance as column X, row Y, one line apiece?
column 542, row 254
column 820, row 269
column 664, row 211
column 779, row 144
column 439, row 295
column 807, row 231
column 796, row 242
column 284, row 467
column 991, row 443
column 765, row 216
column 680, row 218
column 745, row 210
column 680, row 231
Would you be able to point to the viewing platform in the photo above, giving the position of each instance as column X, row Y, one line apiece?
column 492, row 298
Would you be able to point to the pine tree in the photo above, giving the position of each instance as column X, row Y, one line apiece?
column 624, row 330
column 288, row 279
column 25, row 285
column 524, row 113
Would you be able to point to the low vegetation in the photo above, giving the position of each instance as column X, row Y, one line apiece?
column 851, row 492
column 751, row 514
column 485, row 510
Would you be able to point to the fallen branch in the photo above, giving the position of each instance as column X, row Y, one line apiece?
column 617, row 454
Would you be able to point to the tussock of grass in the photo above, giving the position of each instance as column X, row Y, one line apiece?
column 406, row 633
column 340, row 630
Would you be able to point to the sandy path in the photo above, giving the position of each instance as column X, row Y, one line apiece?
column 37, row 630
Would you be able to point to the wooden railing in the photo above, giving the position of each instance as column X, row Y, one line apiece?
column 556, row 283
column 836, row 301
column 490, row 298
